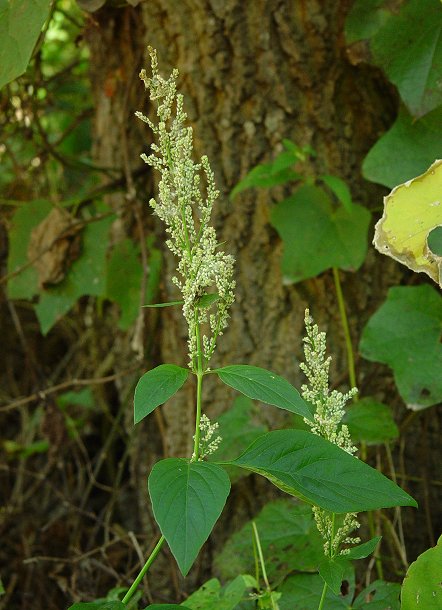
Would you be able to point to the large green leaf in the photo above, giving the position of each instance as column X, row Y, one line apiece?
column 187, row 499
column 20, row 26
column 313, row 469
column 419, row 143
column 28, row 215
column 289, row 540
column 411, row 212
column 157, row 386
column 406, row 42
column 86, row 276
column 422, row 585
column 211, row 596
column 263, row 385
column 370, row 421
column 317, row 236
column 405, row 333
column 305, row 590
column 123, row 281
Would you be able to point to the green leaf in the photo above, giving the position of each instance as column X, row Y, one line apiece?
column 85, row 276
column 20, row 26
column 27, row 216
column 406, row 42
column 379, row 595
column 309, row 467
column 411, row 211
column 422, row 584
column 316, row 236
column 365, row 18
column 214, row 597
column 435, row 241
column 187, row 499
column 419, row 142
column 123, row 281
column 332, row 572
column 157, row 386
column 363, row 550
column 340, row 189
column 263, row 385
column 371, row 422
column 289, row 540
column 169, row 304
column 305, row 590
column 405, row 333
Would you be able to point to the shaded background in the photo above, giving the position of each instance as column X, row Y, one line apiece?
column 76, row 518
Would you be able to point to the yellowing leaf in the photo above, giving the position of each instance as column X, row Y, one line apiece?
column 411, row 212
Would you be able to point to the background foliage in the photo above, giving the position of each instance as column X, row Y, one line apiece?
column 73, row 287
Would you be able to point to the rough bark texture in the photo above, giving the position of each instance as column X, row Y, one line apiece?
column 252, row 73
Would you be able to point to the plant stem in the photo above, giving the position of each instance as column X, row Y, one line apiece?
column 261, row 556
column 322, row 600
column 199, row 387
column 143, row 571
column 345, row 327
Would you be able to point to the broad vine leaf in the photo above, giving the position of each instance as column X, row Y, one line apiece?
column 317, row 236
column 307, row 466
column 263, row 385
column 405, row 333
column 305, row 590
column 406, row 42
column 86, row 276
column 212, row 595
column 123, row 281
column 422, row 585
column 20, row 26
column 24, row 285
column 419, row 142
column 370, row 421
column 411, row 212
column 187, row 499
column 157, row 386
column 289, row 540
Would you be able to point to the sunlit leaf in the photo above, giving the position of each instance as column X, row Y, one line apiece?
column 317, row 236
column 411, row 211
column 155, row 387
column 187, row 499
column 405, row 333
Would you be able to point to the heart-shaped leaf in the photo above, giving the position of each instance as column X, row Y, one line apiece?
column 187, row 499
column 157, row 386
column 313, row 469
column 263, row 385
column 317, row 236
column 422, row 584
column 405, row 333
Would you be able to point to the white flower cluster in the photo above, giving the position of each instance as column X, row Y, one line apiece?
column 209, row 439
column 329, row 411
column 202, row 268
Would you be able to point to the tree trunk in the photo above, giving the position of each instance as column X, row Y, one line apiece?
column 252, row 73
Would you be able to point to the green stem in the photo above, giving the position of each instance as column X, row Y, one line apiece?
column 199, row 387
column 261, row 556
column 322, row 600
column 143, row 571
column 346, row 329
